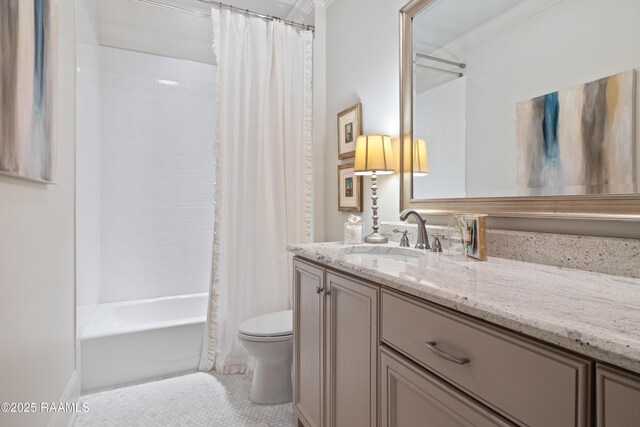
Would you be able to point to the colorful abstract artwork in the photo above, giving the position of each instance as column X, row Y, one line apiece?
column 579, row 140
column 28, row 79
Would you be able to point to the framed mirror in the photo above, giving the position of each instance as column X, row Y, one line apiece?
column 522, row 108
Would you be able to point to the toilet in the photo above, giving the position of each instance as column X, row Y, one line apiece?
column 269, row 339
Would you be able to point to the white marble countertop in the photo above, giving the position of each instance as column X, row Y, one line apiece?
column 597, row 315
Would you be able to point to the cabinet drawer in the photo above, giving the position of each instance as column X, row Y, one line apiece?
column 530, row 383
column 413, row 397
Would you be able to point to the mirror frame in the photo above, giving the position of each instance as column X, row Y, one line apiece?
column 621, row 207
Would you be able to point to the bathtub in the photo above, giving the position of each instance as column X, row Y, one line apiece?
column 134, row 341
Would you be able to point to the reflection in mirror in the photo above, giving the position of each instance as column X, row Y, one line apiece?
column 420, row 159
column 526, row 98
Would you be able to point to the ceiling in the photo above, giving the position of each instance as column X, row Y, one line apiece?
column 140, row 26
column 448, row 20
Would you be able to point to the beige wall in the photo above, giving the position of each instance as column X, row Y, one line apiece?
column 362, row 66
column 37, row 314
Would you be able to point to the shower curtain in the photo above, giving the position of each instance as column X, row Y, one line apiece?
column 263, row 195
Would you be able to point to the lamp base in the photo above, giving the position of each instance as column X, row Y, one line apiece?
column 376, row 238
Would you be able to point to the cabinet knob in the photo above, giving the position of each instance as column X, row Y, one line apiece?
column 318, row 290
column 327, row 293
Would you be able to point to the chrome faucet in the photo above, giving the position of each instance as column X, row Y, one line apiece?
column 423, row 237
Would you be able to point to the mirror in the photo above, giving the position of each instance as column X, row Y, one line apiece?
column 514, row 101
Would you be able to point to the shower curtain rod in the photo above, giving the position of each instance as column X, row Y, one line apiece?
column 444, row 61
column 226, row 6
column 440, row 69
column 259, row 15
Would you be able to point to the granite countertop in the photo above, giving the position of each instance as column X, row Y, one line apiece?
column 594, row 314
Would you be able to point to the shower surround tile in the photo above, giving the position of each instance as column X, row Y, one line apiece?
column 156, row 176
column 606, row 255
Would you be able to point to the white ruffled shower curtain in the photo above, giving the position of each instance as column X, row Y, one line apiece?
column 263, row 175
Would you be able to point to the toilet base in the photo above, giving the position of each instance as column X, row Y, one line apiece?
column 271, row 382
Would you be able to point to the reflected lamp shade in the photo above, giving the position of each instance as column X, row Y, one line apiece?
column 420, row 158
column 373, row 154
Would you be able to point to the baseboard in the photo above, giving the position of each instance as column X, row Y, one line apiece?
column 71, row 394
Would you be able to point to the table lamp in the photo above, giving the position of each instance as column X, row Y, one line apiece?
column 374, row 157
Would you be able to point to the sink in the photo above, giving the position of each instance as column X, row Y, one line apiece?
column 383, row 252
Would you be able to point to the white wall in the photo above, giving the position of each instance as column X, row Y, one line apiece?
column 158, row 119
column 362, row 66
column 37, row 344
column 440, row 119
column 87, row 167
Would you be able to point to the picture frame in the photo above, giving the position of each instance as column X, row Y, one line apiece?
column 476, row 246
column 349, row 189
column 349, row 129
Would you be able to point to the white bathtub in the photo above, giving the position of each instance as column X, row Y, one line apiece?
column 133, row 341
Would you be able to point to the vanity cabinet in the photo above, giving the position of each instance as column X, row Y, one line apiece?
column 617, row 397
column 368, row 355
column 335, row 348
column 529, row 383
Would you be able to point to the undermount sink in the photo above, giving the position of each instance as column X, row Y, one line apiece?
column 383, row 252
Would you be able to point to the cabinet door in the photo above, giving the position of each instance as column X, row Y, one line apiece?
column 352, row 343
column 412, row 397
column 618, row 398
column 308, row 337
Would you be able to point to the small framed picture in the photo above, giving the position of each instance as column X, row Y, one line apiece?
column 349, row 129
column 349, row 189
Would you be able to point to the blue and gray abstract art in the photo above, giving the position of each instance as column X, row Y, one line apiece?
column 28, row 80
column 579, row 140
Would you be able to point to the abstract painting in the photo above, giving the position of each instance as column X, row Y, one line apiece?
column 579, row 140
column 28, row 79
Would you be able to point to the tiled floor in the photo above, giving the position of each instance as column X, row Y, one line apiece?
column 196, row 400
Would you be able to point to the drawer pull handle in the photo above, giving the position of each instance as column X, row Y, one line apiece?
column 431, row 345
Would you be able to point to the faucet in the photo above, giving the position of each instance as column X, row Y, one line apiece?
column 423, row 237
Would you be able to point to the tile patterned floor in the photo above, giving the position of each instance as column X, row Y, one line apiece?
column 195, row 400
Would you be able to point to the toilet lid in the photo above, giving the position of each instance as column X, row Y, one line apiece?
column 269, row 325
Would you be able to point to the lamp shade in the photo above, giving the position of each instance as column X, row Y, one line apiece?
column 420, row 159
column 373, row 154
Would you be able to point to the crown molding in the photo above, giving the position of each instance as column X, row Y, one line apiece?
column 300, row 10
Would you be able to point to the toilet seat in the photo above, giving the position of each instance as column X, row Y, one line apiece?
column 276, row 326
column 265, row 339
